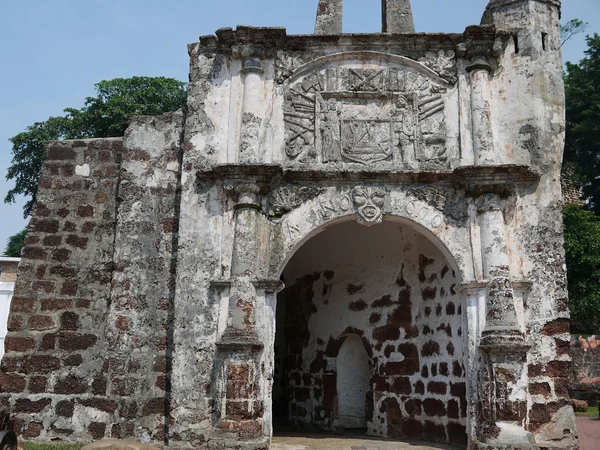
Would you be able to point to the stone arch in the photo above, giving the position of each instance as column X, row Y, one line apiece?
column 335, row 206
column 406, row 311
column 376, row 58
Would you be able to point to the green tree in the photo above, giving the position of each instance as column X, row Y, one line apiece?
column 15, row 244
column 582, row 247
column 582, row 149
column 105, row 115
column 572, row 28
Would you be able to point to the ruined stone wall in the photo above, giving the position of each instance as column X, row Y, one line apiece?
column 90, row 330
column 54, row 368
column 392, row 287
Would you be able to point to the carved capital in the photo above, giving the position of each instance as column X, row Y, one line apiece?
column 479, row 65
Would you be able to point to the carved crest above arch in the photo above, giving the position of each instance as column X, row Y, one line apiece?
column 366, row 109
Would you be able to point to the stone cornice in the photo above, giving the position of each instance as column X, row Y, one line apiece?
column 476, row 180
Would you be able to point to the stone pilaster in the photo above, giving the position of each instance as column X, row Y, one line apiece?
column 252, row 73
column 502, row 373
column 483, row 143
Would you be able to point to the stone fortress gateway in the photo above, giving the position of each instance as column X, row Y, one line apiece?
column 340, row 231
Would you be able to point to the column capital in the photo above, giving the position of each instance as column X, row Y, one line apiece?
column 480, row 64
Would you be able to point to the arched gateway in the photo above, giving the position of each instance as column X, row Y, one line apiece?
column 389, row 202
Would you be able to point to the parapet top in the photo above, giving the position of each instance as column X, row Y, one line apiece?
column 396, row 17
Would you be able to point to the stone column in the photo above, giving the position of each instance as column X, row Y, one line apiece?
column 397, row 16
column 239, row 375
column 242, row 294
column 252, row 105
column 329, row 17
column 502, row 372
column 483, row 142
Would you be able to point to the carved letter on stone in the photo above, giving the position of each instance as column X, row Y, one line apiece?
column 368, row 203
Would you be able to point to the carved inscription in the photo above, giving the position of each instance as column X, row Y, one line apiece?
column 365, row 116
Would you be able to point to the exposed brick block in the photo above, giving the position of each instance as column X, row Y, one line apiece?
column 69, row 321
column 35, row 253
column 41, row 323
column 73, row 341
column 48, row 342
column 64, row 271
column 18, row 344
column 558, row 326
column 55, row 304
column 21, row 304
column 154, row 406
column 15, row 323
column 47, row 287
column 97, row 430
column 77, row 241
column 37, row 384
column 61, row 254
column 24, row 405
column 70, row 385
column 69, row 287
column 65, row 408
column 33, row 430
column 41, row 364
column 60, row 153
column 12, row 383
column 85, row 211
column 52, row 240
column 73, row 360
column 437, row 387
column 49, row 226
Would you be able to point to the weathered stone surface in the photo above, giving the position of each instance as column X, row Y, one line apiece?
column 146, row 304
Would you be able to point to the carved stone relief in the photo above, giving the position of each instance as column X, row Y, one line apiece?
column 365, row 116
column 368, row 203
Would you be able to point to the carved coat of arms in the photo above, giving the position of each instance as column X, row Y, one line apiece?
column 365, row 115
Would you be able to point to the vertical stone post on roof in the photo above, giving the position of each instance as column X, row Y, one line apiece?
column 397, row 16
column 252, row 102
column 329, row 17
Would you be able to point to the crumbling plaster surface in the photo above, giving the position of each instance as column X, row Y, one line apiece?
column 165, row 249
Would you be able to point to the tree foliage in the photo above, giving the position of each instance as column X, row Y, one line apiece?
column 15, row 244
column 572, row 28
column 582, row 149
column 105, row 115
column 582, row 247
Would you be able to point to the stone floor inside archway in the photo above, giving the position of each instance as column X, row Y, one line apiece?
column 303, row 441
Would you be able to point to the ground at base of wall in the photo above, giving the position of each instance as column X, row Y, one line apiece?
column 28, row 445
column 297, row 441
column 589, row 432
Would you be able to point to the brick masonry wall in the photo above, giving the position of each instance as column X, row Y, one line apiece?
column 55, row 347
column 88, row 349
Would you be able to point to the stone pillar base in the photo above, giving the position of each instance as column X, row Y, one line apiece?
column 511, row 437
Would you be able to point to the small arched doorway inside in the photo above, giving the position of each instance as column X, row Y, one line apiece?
column 353, row 376
column 381, row 300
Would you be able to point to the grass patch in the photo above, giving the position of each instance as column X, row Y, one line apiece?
column 591, row 412
column 49, row 446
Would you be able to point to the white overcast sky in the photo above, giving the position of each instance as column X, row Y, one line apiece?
column 53, row 51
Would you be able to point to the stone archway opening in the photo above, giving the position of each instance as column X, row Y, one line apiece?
column 381, row 300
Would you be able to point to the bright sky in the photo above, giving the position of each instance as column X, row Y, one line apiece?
column 54, row 51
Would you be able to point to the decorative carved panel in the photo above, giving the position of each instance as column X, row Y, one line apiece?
column 365, row 114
